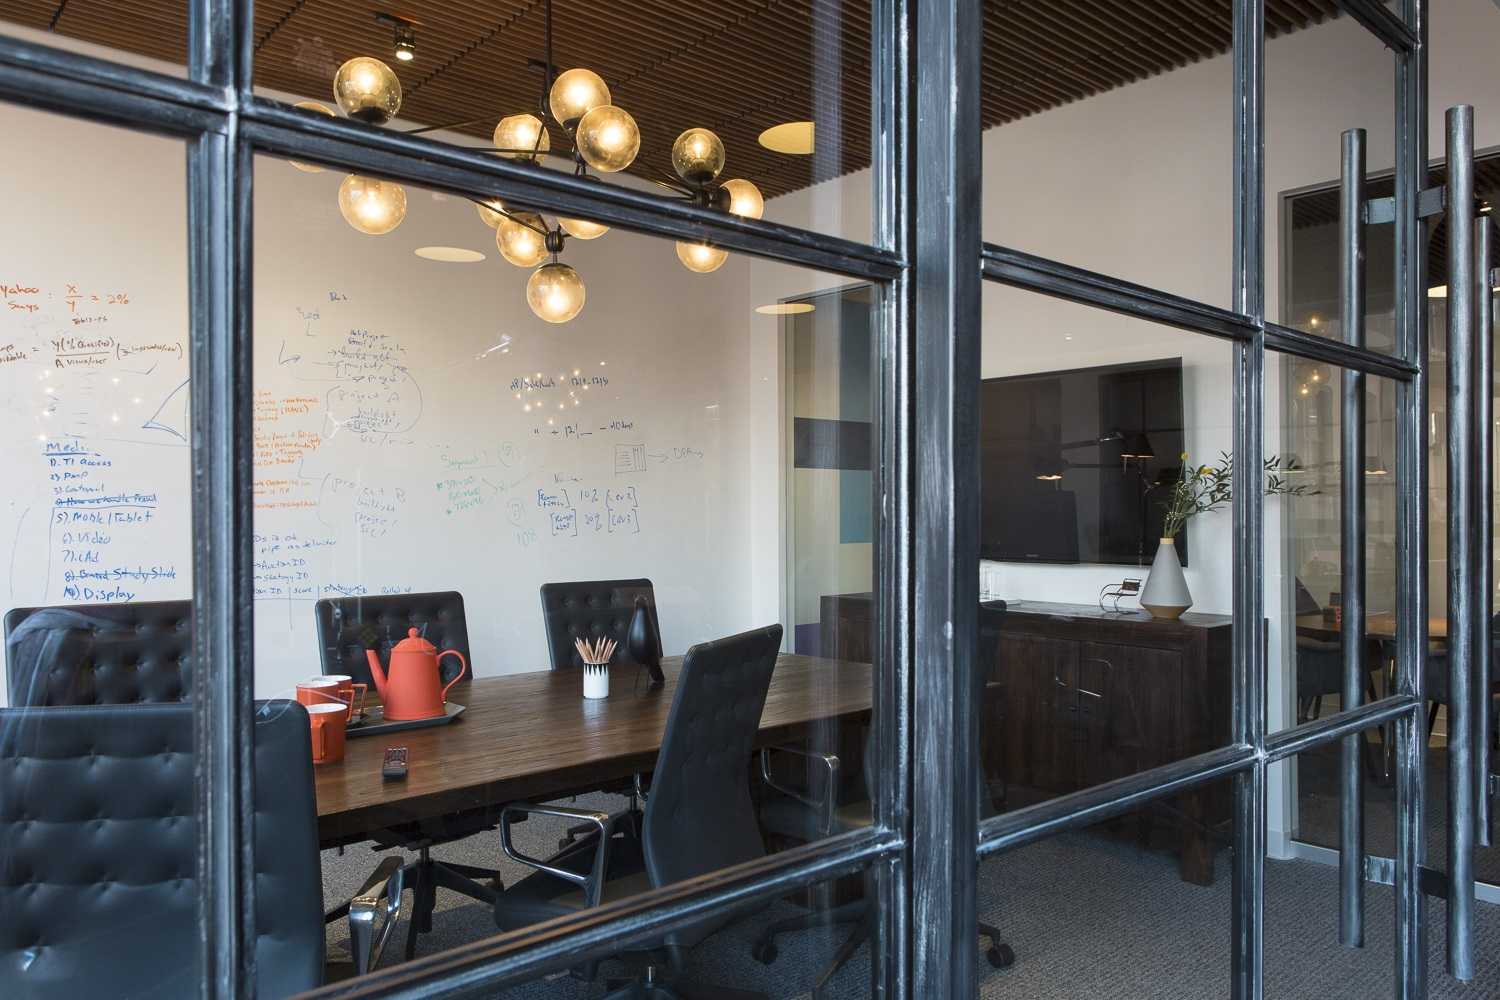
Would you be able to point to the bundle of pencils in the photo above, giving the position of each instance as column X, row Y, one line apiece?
column 595, row 653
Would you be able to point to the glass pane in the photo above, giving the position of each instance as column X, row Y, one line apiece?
column 1102, row 912
column 1090, row 425
column 1304, row 525
column 1337, row 76
column 793, row 947
column 440, row 467
column 775, row 98
column 1108, row 142
column 98, row 835
column 150, row 34
column 1303, row 956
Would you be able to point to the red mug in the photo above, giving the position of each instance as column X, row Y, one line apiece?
column 327, row 720
column 333, row 687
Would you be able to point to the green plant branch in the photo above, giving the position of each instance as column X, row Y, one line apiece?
column 1203, row 488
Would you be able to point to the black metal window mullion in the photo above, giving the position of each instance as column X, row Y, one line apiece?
column 891, row 230
column 1411, row 514
column 945, row 289
column 222, row 514
column 1248, row 704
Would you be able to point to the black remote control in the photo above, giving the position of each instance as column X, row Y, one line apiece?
column 393, row 767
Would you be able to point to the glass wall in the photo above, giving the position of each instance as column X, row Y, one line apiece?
column 538, row 443
column 99, row 829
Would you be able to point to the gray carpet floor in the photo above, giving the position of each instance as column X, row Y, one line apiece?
column 1089, row 916
column 1318, row 801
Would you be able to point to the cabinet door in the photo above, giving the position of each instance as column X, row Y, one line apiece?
column 1130, row 704
column 1029, row 730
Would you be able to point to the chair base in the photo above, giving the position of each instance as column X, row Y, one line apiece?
column 425, row 876
column 999, row 954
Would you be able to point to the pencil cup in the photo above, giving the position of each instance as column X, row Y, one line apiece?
column 596, row 680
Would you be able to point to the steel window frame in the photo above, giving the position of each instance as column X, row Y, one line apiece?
column 1253, row 750
column 224, row 126
column 925, row 844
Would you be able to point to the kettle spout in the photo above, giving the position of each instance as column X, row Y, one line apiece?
column 376, row 671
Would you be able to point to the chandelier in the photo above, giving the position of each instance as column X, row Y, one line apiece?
column 594, row 134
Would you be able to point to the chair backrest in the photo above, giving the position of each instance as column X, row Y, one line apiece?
column 699, row 813
column 349, row 625
column 591, row 609
column 98, row 849
column 100, row 654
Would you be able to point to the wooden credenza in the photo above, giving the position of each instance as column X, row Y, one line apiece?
column 1075, row 697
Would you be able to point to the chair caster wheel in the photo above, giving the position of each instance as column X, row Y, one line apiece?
column 1001, row 956
column 764, row 952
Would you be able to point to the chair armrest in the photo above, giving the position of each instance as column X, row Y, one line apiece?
column 828, row 803
column 593, row 882
column 381, row 893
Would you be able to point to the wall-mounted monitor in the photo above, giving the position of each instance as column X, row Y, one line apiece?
column 1075, row 465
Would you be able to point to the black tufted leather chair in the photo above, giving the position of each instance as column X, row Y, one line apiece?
column 346, row 624
column 98, row 848
column 591, row 609
column 111, row 654
column 699, row 816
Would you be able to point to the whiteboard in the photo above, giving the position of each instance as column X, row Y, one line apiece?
column 415, row 428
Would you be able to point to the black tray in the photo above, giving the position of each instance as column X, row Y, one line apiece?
column 372, row 723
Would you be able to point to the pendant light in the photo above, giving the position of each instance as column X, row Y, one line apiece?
column 555, row 292
column 522, row 238
column 367, row 90
column 372, row 206
column 311, row 168
column 698, row 159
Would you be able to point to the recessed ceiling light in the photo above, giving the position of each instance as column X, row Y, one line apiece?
column 450, row 255
column 785, row 308
column 795, row 138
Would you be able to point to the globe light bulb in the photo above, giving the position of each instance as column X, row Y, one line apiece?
column 525, row 133
column 372, row 206
column 700, row 257
column 367, row 89
column 518, row 242
column 491, row 212
column 745, row 198
column 575, row 93
column 697, row 156
column 311, row 168
column 555, row 292
column 608, row 139
column 582, row 228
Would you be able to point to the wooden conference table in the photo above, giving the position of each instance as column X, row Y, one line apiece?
column 1382, row 626
column 531, row 737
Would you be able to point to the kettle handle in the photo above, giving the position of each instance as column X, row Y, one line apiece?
column 463, row 668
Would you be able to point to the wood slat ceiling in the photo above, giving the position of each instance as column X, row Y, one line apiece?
column 1321, row 208
column 736, row 66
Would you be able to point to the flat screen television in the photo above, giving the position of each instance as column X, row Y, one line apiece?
column 1074, row 465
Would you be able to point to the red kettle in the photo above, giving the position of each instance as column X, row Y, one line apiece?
column 413, row 686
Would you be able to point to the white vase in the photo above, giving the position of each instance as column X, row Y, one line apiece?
column 1166, row 592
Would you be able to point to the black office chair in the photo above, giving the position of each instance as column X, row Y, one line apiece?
column 347, row 627
column 699, row 815
column 821, row 810
column 1435, row 678
column 99, row 654
column 98, row 879
column 592, row 609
